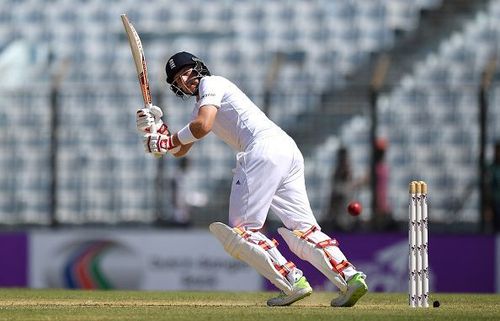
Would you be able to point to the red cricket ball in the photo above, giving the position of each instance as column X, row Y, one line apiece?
column 354, row 208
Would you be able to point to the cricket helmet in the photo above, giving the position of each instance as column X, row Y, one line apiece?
column 179, row 61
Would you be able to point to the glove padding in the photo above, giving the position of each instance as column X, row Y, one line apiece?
column 146, row 117
column 159, row 144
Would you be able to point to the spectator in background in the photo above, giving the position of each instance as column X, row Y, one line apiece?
column 181, row 206
column 341, row 193
column 382, row 218
column 493, row 191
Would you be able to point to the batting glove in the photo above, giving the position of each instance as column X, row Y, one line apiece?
column 159, row 144
column 146, row 117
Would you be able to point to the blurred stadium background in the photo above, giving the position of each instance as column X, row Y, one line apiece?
column 419, row 74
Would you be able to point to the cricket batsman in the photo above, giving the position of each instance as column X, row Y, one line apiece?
column 269, row 174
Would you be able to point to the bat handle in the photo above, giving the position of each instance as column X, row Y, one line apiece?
column 153, row 129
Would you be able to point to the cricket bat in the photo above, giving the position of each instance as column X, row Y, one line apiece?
column 140, row 64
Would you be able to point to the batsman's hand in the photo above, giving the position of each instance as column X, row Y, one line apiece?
column 159, row 144
column 146, row 117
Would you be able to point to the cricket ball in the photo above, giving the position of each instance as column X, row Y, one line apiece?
column 354, row 208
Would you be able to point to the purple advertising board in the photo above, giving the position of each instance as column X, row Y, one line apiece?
column 14, row 259
column 457, row 263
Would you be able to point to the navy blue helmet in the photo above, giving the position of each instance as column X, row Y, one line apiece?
column 179, row 61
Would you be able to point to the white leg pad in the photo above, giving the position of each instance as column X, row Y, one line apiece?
column 314, row 255
column 250, row 253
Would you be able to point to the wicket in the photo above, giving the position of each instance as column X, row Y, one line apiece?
column 418, row 290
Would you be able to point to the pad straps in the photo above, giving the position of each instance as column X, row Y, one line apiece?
column 338, row 267
column 284, row 269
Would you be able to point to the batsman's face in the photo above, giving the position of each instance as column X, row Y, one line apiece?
column 187, row 80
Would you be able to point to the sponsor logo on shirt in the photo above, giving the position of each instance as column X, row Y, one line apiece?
column 208, row 95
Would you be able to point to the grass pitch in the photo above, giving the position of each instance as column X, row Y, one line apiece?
column 26, row 305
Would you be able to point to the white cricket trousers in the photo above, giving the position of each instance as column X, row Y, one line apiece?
column 270, row 175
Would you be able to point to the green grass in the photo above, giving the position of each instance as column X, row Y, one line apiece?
column 26, row 305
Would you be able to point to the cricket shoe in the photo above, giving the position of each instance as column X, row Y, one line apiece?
column 356, row 288
column 300, row 290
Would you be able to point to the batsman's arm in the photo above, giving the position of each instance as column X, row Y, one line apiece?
column 183, row 151
column 197, row 128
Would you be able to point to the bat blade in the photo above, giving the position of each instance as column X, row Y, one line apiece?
column 139, row 60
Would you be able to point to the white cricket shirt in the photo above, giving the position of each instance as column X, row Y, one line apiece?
column 238, row 121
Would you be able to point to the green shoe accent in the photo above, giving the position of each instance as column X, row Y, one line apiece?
column 300, row 290
column 356, row 288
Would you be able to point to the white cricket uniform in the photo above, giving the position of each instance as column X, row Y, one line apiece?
column 269, row 172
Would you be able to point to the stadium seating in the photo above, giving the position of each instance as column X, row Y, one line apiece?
column 430, row 120
column 103, row 180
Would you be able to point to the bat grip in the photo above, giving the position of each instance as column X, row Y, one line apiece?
column 153, row 129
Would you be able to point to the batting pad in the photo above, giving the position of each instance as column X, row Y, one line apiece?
column 314, row 255
column 250, row 253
